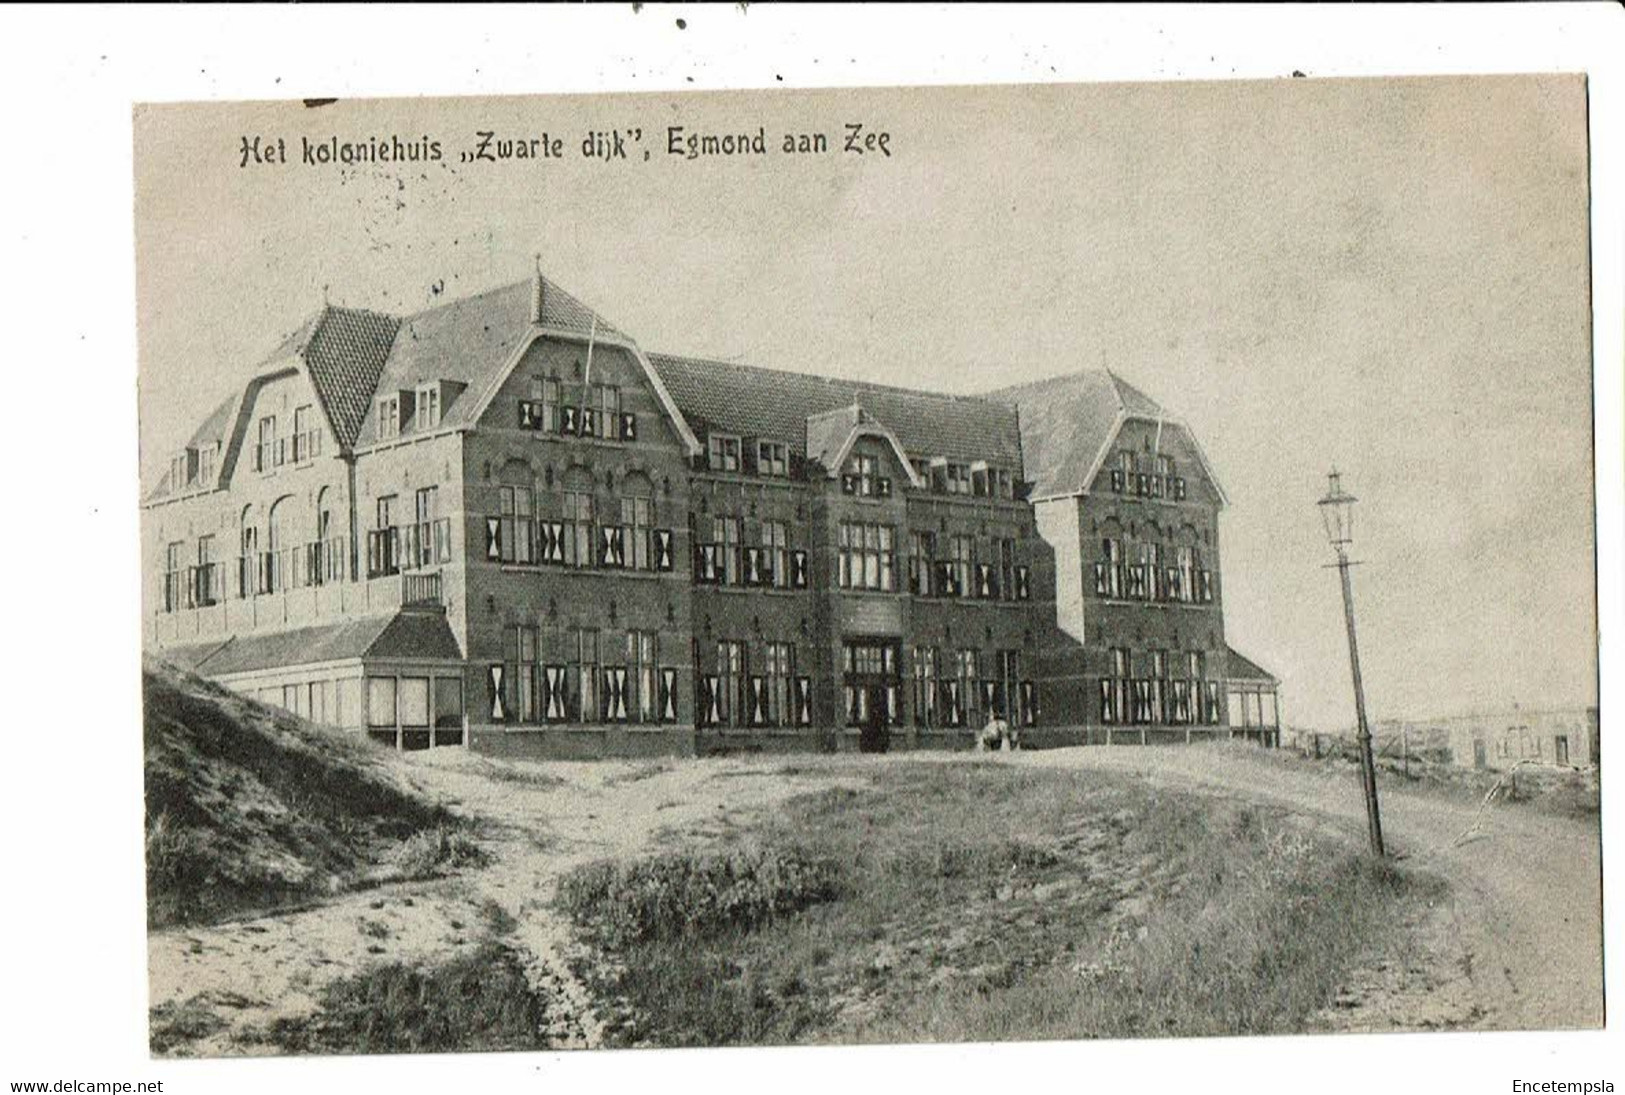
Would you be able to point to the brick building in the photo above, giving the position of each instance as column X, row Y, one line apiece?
column 500, row 522
column 1121, row 489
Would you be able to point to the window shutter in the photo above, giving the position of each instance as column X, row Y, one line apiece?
column 798, row 569
column 758, row 701
column 493, row 542
column 499, row 707
column 668, row 695
column 662, row 549
column 849, row 484
column 883, row 487
column 803, row 701
column 629, row 426
column 1024, row 589
column 569, row 418
column 1029, row 704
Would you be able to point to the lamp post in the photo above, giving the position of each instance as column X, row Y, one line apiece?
column 1337, row 511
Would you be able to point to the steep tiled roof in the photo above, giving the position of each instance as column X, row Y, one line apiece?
column 345, row 355
column 420, row 635
column 1067, row 420
column 757, row 402
column 1241, row 668
column 469, row 340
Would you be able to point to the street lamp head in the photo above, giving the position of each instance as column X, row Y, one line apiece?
column 1337, row 511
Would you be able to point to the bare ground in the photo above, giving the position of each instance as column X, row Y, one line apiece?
column 1517, row 946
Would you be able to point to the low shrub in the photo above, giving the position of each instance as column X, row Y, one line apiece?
column 432, row 851
column 688, row 894
column 475, row 1002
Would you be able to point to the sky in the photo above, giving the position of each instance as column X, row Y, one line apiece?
column 1388, row 275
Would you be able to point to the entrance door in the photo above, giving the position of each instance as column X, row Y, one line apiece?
column 872, row 679
column 1561, row 748
column 1480, row 757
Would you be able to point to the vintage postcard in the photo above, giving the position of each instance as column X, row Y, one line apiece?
column 962, row 564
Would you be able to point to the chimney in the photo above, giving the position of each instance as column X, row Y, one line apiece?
column 536, row 294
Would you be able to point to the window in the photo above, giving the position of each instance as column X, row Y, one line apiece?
column 981, row 481
column 771, row 458
column 776, row 549
column 414, row 702
column 866, row 556
column 381, row 702
column 541, row 412
column 1149, row 585
column 178, row 469
column 961, row 563
column 307, row 439
column 1007, row 694
column 779, row 671
column 637, row 515
column 389, row 416
column 583, row 679
column 1114, row 687
column 643, row 673
column 863, row 473
column 428, row 407
column 205, row 464
column 1158, row 682
column 266, row 455
column 725, row 534
column 1007, row 568
column 431, row 533
column 969, row 679
column 957, row 479
column 605, row 402
column 922, row 552
column 730, row 683
column 206, row 584
column 724, row 452
column 519, row 655
column 925, row 686
column 1123, row 474
column 172, row 576
column 578, row 528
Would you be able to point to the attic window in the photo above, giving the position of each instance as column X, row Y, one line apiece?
column 428, row 407
column 389, row 416
column 724, row 452
column 771, row 458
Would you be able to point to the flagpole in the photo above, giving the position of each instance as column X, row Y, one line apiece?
column 592, row 336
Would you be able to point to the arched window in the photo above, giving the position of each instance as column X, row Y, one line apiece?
column 279, row 551
column 327, row 564
column 248, row 561
column 516, row 514
column 637, row 519
column 578, row 517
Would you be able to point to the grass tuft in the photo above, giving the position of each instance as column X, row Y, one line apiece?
column 480, row 1001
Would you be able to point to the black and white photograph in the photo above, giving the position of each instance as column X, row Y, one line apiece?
column 860, row 562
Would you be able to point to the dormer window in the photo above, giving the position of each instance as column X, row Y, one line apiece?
column 863, row 471
column 723, row 452
column 772, row 458
column 428, row 406
column 957, row 478
column 177, row 471
column 205, row 464
column 389, row 416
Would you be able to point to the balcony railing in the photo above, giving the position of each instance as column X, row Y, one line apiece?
column 421, row 589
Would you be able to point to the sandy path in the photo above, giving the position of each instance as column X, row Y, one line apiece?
column 538, row 820
column 1527, row 892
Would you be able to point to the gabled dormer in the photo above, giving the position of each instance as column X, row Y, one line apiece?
column 860, row 452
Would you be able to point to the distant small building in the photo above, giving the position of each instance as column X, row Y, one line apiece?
column 1568, row 737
